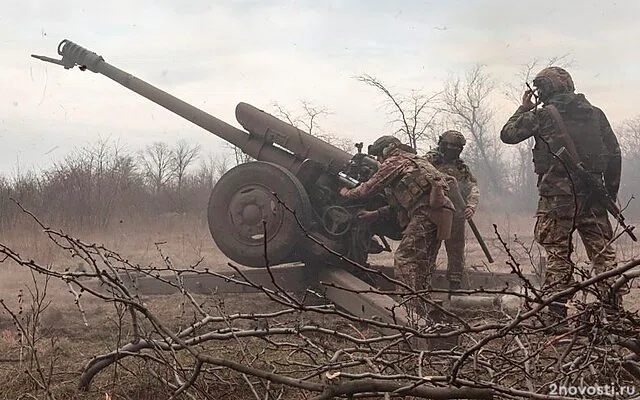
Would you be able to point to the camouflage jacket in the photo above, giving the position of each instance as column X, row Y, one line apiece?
column 540, row 124
column 467, row 182
column 390, row 179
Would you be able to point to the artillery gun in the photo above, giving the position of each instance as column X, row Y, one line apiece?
column 288, row 194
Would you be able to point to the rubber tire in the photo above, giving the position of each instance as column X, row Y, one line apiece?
column 281, row 248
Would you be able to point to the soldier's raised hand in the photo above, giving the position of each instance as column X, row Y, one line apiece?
column 527, row 100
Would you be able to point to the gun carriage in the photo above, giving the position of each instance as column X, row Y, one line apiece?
column 292, row 169
column 265, row 212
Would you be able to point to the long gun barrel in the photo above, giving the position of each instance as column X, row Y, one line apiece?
column 303, row 171
column 263, row 128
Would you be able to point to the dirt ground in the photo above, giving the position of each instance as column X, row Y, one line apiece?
column 66, row 343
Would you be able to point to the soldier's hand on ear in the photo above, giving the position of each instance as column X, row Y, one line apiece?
column 344, row 191
column 527, row 101
column 469, row 211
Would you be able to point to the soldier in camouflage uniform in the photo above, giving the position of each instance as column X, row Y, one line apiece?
column 416, row 192
column 446, row 158
column 564, row 203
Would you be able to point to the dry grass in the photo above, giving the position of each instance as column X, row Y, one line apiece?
column 64, row 337
column 185, row 238
column 66, row 344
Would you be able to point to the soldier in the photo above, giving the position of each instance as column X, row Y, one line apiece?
column 416, row 192
column 568, row 119
column 446, row 158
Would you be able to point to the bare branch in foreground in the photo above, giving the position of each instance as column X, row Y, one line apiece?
column 289, row 344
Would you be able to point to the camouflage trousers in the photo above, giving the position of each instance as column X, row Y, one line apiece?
column 415, row 257
column 555, row 235
column 455, row 249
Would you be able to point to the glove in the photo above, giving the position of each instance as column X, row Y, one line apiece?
column 368, row 215
column 469, row 211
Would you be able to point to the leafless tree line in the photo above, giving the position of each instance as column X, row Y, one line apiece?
column 629, row 133
column 299, row 345
column 103, row 183
column 177, row 178
column 464, row 104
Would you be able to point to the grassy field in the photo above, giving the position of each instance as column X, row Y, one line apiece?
column 66, row 338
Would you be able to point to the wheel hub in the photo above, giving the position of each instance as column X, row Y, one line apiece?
column 248, row 208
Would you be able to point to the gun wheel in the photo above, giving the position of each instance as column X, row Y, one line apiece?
column 243, row 198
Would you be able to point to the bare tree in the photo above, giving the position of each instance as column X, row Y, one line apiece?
column 467, row 101
column 156, row 160
column 415, row 114
column 114, row 171
column 239, row 157
column 629, row 137
column 25, row 187
column 522, row 177
column 183, row 155
column 513, row 90
column 212, row 167
column 628, row 132
column 308, row 121
column 89, row 185
column 6, row 219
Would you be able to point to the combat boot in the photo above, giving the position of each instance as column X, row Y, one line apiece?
column 558, row 310
column 453, row 286
column 434, row 313
column 612, row 307
column 614, row 301
column 554, row 317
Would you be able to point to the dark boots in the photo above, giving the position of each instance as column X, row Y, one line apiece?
column 554, row 317
column 454, row 285
column 558, row 310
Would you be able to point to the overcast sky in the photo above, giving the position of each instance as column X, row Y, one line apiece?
column 215, row 54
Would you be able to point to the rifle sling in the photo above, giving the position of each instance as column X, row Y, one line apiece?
column 564, row 134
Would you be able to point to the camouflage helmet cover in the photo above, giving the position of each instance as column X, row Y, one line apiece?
column 453, row 137
column 376, row 148
column 559, row 78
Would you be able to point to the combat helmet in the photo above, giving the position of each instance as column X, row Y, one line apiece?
column 552, row 80
column 377, row 147
column 450, row 145
column 453, row 137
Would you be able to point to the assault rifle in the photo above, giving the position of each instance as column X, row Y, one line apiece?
column 598, row 191
column 460, row 204
column 535, row 96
